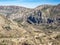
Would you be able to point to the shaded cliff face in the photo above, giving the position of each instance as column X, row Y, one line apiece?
column 36, row 17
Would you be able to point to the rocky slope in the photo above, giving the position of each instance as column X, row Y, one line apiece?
column 14, row 11
column 24, row 26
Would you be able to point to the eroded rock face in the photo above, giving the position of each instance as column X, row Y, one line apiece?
column 35, row 18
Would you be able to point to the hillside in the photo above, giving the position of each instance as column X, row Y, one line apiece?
column 25, row 26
